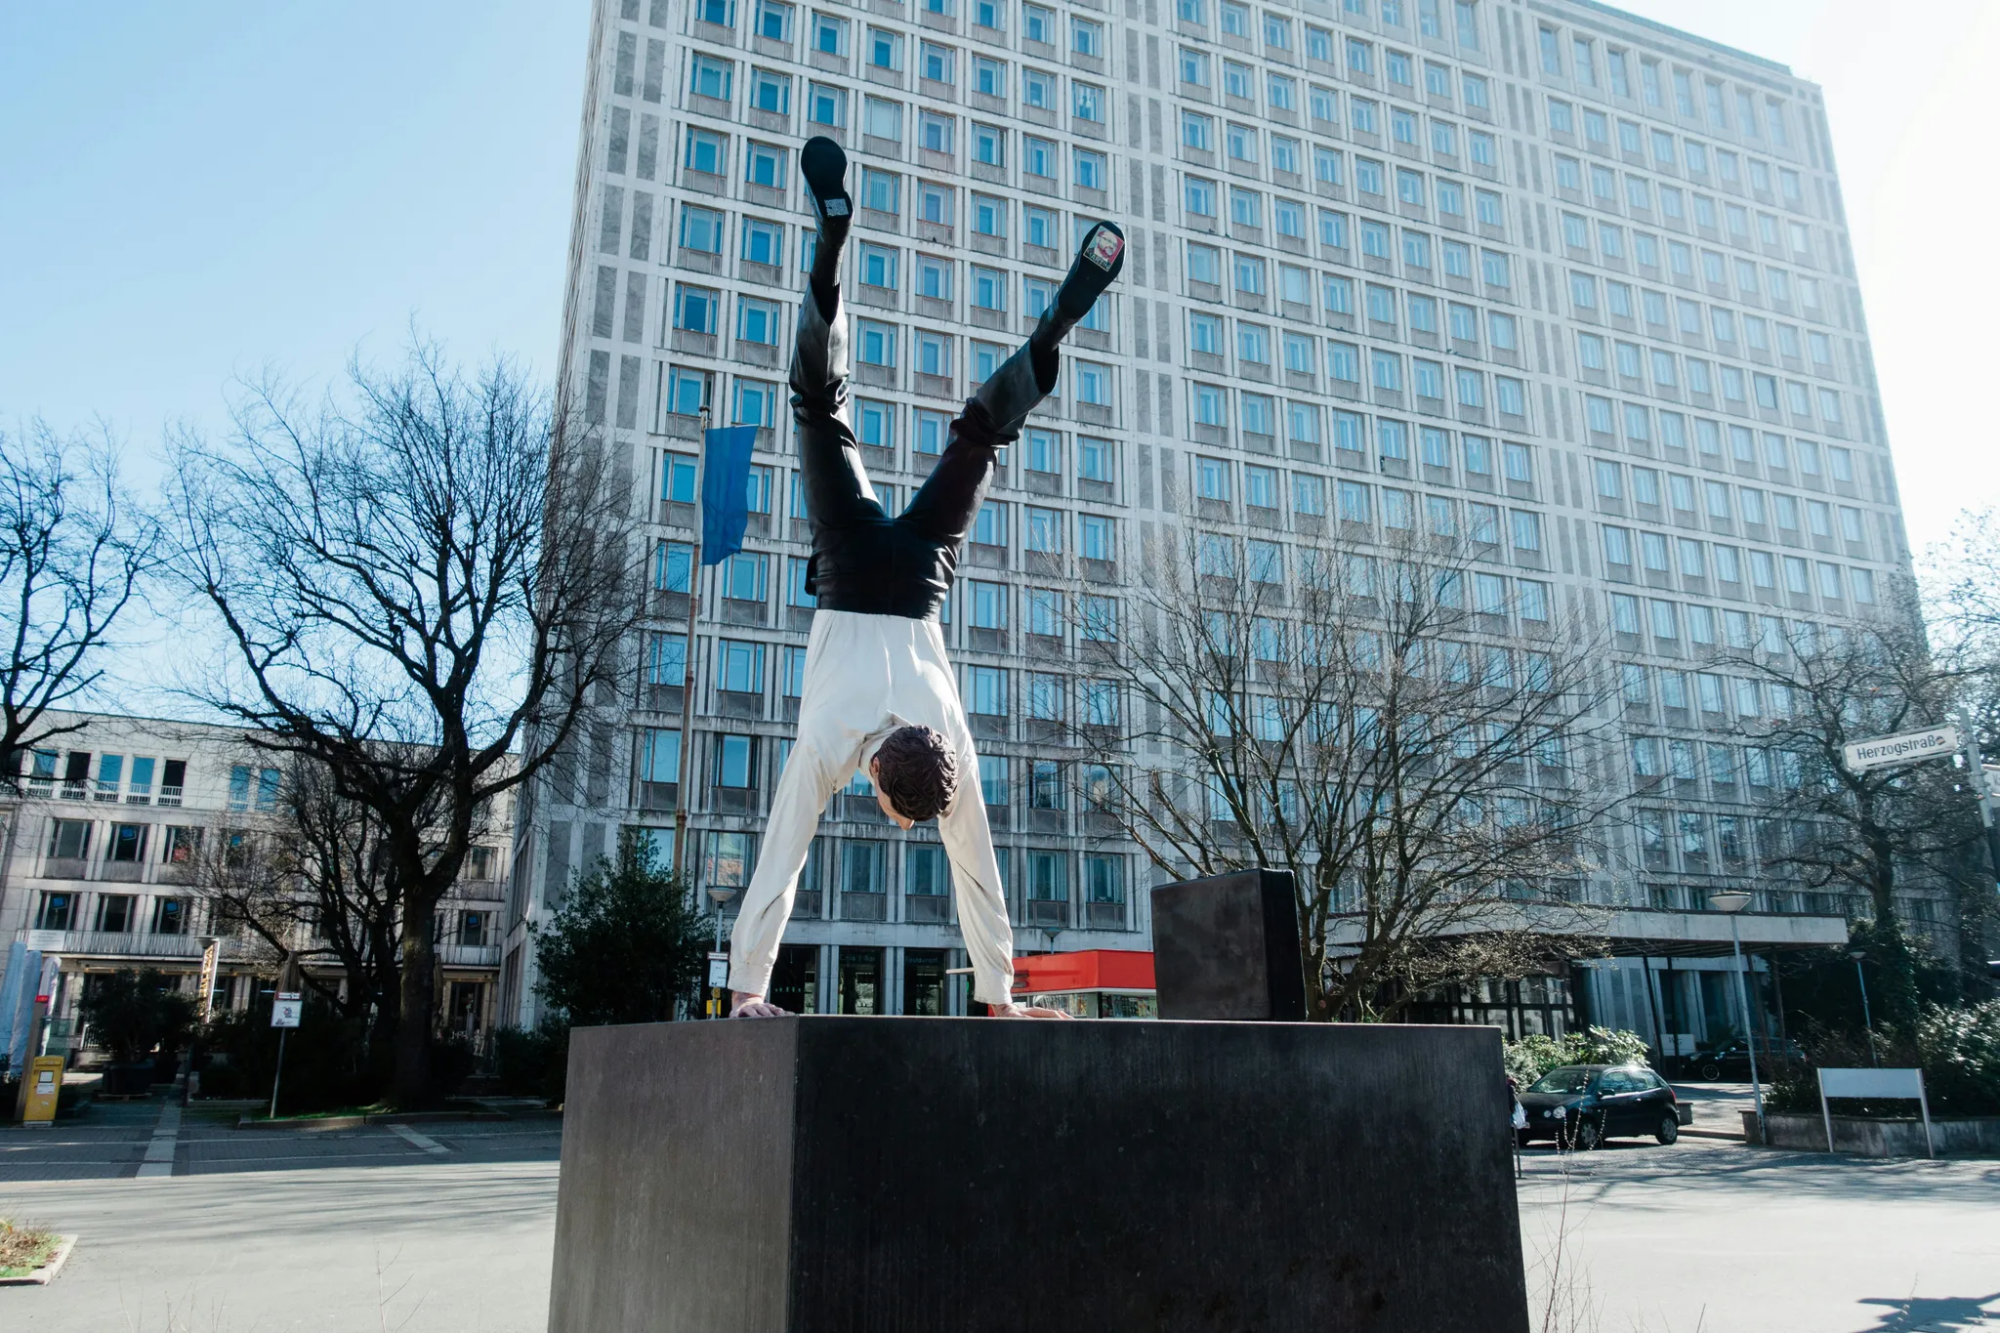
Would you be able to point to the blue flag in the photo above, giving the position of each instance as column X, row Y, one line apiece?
column 725, row 491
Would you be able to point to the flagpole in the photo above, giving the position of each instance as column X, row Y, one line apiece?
column 689, row 677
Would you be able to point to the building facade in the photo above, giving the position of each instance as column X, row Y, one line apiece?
column 1571, row 281
column 102, row 868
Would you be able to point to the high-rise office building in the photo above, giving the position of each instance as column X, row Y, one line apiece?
column 1554, row 271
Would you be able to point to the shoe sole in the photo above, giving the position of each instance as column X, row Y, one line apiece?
column 824, row 167
column 1097, row 266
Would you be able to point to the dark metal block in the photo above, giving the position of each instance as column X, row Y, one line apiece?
column 905, row 1175
column 1227, row 947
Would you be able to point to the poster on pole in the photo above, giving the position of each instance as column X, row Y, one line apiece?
column 285, row 1009
column 211, row 959
column 1907, row 748
column 718, row 970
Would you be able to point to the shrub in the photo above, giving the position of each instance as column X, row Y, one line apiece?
column 134, row 1014
column 532, row 1062
column 327, row 1060
column 1960, row 1050
column 1535, row 1055
column 626, row 945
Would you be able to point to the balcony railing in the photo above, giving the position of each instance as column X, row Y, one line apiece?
column 129, row 944
column 468, row 955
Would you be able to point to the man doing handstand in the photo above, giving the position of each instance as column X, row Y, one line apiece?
column 880, row 695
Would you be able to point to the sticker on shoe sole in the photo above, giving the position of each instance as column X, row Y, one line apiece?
column 836, row 208
column 1104, row 248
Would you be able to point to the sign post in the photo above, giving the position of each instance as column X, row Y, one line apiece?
column 1905, row 748
column 1886, row 1084
column 284, row 1017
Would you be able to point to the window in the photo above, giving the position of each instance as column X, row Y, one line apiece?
column 709, row 77
column 69, row 839
column 1038, row 88
column 739, row 666
column 705, row 152
column 1343, row 360
column 774, row 20
column 987, row 691
column 826, row 105
column 743, row 576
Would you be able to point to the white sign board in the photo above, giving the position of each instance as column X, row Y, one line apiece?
column 718, row 970
column 1908, row 748
column 1883, row 1084
column 45, row 941
column 285, row 1009
column 1905, row 1083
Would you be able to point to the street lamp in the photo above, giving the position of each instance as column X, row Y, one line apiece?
column 1867, row 1021
column 719, row 894
column 1730, row 902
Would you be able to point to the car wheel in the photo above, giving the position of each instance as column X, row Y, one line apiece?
column 1711, row 1071
column 1670, row 1128
column 1588, row 1135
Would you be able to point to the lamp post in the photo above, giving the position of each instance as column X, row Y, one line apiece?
column 1867, row 1020
column 719, row 894
column 1732, row 902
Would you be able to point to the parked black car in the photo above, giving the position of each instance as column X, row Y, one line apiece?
column 1580, row 1106
column 1731, row 1059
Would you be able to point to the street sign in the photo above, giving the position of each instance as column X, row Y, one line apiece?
column 45, row 941
column 718, row 970
column 285, row 1009
column 1908, row 748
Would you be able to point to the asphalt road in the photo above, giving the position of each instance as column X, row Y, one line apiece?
column 435, row 1228
column 368, row 1230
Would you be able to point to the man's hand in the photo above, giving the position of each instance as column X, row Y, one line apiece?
column 1012, row 1010
column 745, row 1005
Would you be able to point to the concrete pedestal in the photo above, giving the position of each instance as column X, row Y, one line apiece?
column 1227, row 947
column 906, row 1175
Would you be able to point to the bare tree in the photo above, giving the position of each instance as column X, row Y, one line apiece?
column 1874, row 832
column 74, row 552
column 413, row 579
column 1369, row 721
column 1961, row 593
column 312, row 883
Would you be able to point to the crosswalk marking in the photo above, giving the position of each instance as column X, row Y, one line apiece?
column 159, row 1159
column 416, row 1140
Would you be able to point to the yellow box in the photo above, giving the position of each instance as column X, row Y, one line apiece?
column 45, row 1075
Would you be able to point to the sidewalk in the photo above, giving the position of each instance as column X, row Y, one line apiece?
column 1717, row 1108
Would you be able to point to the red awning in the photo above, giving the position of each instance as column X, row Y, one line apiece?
column 1086, row 969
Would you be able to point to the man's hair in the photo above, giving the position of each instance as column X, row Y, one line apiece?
column 918, row 772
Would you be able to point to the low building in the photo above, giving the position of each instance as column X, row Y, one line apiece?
column 101, row 869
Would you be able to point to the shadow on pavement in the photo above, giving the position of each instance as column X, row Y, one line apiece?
column 1931, row 1314
column 1619, row 1167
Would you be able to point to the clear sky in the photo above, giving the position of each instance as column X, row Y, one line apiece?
column 193, row 191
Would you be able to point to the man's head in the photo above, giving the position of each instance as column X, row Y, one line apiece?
column 916, row 775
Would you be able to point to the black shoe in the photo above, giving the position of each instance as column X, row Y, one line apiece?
column 1098, row 264
column 824, row 166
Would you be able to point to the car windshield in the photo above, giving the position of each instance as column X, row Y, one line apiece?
column 1570, row 1078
